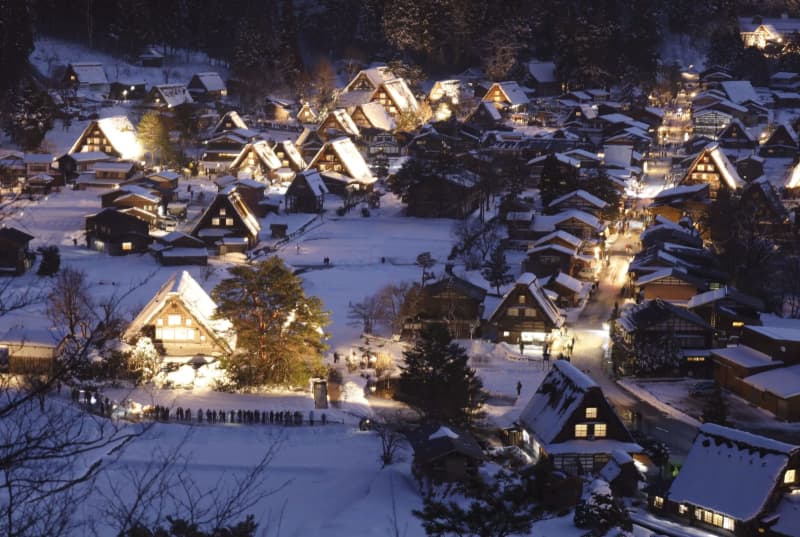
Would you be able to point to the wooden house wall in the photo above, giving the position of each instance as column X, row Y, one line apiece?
column 201, row 342
column 573, row 226
column 441, row 199
column 301, row 199
column 13, row 255
column 516, row 324
column 95, row 140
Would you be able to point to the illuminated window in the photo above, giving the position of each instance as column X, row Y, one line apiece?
column 215, row 221
column 127, row 246
column 790, row 476
column 737, row 324
column 591, row 412
column 530, row 312
column 727, row 523
column 658, row 502
column 222, row 211
column 229, row 221
column 174, row 320
column 581, row 430
column 695, row 359
column 512, row 312
column 600, row 430
column 521, row 299
column 708, row 517
column 683, row 509
column 717, row 519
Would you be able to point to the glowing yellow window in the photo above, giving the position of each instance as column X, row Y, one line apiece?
column 581, row 430
column 658, row 502
column 683, row 509
column 591, row 412
column 790, row 476
column 174, row 320
column 127, row 246
column 727, row 523
column 600, row 430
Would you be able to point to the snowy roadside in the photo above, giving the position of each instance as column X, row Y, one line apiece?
column 655, row 402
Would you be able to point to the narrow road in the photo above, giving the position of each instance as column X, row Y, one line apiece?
column 589, row 356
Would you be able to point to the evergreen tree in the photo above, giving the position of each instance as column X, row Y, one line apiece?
column 715, row 409
column 278, row 328
column 28, row 115
column 16, row 41
column 180, row 527
column 496, row 269
column 500, row 508
column 437, row 381
column 153, row 136
column 600, row 513
column 51, row 260
column 553, row 182
column 145, row 359
column 603, row 187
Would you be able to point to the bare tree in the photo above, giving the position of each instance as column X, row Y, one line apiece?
column 365, row 313
column 392, row 440
column 398, row 301
column 474, row 240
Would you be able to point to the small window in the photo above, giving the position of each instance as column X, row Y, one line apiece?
column 683, row 509
column 127, row 246
column 728, row 524
column 717, row 520
column 591, row 412
column 174, row 320
column 790, row 476
column 530, row 312
column 215, row 221
column 599, row 430
column 581, row 430
column 229, row 221
column 512, row 312
column 188, row 322
column 521, row 299
column 222, row 211
column 658, row 502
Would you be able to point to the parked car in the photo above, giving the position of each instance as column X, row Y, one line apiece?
column 703, row 389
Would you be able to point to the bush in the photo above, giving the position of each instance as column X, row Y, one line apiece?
column 51, row 261
column 365, row 212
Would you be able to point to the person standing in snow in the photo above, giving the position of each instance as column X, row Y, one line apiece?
column 519, row 387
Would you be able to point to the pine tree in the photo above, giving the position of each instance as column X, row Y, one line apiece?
column 496, row 270
column 601, row 512
column 278, row 328
column 16, row 41
column 500, row 508
column 51, row 260
column 437, row 381
column 145, row 359
column 715, row 409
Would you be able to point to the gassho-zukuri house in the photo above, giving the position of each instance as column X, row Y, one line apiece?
column 736, row 483
column 180, row 321
column 570, row 420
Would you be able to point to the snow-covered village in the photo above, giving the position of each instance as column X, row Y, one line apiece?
column 407, row 268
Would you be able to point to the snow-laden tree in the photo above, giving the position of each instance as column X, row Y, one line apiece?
column 498, row 506
column 279, row 329
column 145, row 359
column 153, row 136
column 600, row 512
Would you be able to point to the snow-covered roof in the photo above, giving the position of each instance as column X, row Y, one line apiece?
column 114, row 166
column 681, row 190
column 376, row 76
column 232, row 116
column 38, row 158
column 589, row 198
column 721, row 293
column 559, row 234
column 182, row 286
column 553, row 246
column 558, row 397
column 211, row 81
column 513, row 92
column 782, row 333
column 740, row 91
column 443, row 432
column 120, row 134
column 573, row 284
column 89, row 72
column 314, row 181
column 401, row 95
column 173, row 94
column 377, row 116
column 731, row 472
column 587, row 218
column 345, row 122
column 783, row 382
column 292, row 154
column 350, row 158
column 788, row 515
column 746, row 356
column 543, row 72
column 529, row 281
column 266, row 156
column 727, row 170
